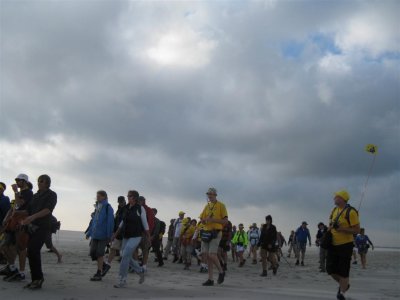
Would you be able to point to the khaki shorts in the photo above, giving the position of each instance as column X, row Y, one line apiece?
column 212, row 246
column 116, row 244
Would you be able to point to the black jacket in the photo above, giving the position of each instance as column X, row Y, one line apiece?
column 268, row 237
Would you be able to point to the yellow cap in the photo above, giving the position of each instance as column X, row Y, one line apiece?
column 181, row 213
column 343, row 194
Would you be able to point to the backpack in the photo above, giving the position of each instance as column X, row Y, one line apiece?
column 163, row 227
column 347, row 215
column 55, row 224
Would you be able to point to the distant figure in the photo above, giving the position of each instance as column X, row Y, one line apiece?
column 145, row 244
column 100, row 231
column 241, row 241
column 177, row 244
column 363, row 242
column 291, row 243
column 187, row 233
column 225, row 245
column 117, row 243
column 156, row 237
column 344, row 223
column 171, row 233
column 233, row 246
column 267, row 243
column 254, row 238
column 322, row 229
column 302, row 234
column 279, row 244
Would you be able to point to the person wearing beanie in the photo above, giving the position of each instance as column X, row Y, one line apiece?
column 344, row 224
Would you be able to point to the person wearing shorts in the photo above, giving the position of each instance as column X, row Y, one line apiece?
column 100, row 231
column 339, row 253
column 214, row 217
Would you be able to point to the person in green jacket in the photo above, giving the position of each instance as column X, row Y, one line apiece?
column 241, row 241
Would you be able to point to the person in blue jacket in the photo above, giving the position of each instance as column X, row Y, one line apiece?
column 302, row 234
column 101, row 229
column 363, row 243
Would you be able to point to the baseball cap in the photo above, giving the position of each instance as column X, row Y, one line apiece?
column 343, row 194
column 304, row 222
column 22, row 177
column 212, row 191
column 181, row 213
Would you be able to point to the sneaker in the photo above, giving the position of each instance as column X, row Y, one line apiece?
column 208, row 283
column 11, row 275
column 141, row 277
column 264, row 273
column 221, row 278
column 16, row 277
column 297, row 262
column 5, row 271
column 96, row 277
column 121, row 284
column 106, row 268
column 302, row 263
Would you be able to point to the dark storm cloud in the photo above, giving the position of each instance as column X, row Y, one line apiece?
column 250, row 122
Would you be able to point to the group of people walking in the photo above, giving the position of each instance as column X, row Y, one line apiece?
column 133, row 229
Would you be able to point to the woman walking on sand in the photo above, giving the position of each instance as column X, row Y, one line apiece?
column 363, row 242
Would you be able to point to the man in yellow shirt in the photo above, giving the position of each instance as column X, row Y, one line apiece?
column 214, row 217
column 344, row 223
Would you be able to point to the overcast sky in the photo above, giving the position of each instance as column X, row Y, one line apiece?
column 271, row 102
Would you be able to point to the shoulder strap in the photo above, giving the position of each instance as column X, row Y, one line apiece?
column 347, row 216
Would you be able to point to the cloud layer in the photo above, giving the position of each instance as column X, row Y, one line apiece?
column 271, row 102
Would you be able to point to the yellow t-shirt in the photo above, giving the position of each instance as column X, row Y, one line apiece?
column 215, row 210
column 188, row 233
column 340, row 238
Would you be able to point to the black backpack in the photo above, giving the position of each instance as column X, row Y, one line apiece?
column 163, row 227
column 347, row 215
column 55, row 224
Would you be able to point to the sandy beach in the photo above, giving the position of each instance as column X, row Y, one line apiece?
column 70, row 280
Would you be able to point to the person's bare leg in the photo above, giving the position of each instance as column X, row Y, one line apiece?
column 336, row 277
column 344, row 284
column 22, row 260
column 100, row 261
column 213, row 260
column 111, row 256
column 59, row 256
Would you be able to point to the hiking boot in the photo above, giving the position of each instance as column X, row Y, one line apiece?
column 208, row 283
column 221, row 278
column 35, row 285
column 264, row 273
column 5, row 271
column 11, row 275
column 96, row 277
column 16, row 277
column 106, row 268
column 297, row 262
column 302, row 263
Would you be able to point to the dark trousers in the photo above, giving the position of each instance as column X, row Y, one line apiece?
column 35, row 244
column 156, row 244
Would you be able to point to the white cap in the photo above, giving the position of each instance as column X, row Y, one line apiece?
column 22, row 177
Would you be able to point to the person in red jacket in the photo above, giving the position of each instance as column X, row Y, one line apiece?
column 146, row 243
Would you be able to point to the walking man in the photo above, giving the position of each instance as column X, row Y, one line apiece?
column 344, row 223
column 214, row 217
column 302, row 234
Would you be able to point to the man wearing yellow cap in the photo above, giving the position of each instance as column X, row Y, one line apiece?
column 176, row 244
column 344, row 223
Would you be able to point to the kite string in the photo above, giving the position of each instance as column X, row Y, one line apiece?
column 366, row 182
